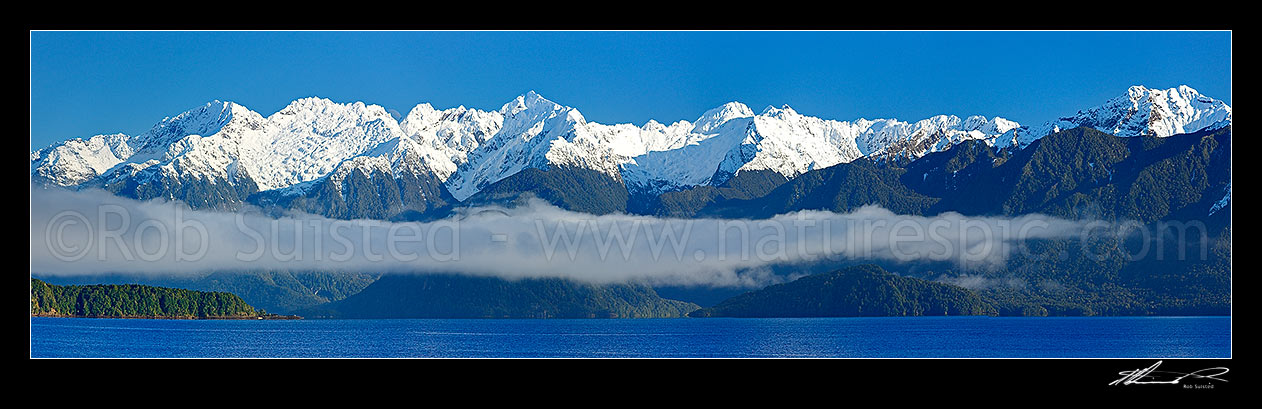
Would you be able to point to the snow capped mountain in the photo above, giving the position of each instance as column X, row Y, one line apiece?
column 205, row 120
column 76, row 161
column 450, row 135
column 695, row 160
column 538, row 133
column 1140, row 111
column 391, row 181
column 205, row 143
column 315, row 141
column 892, row 137
column 532, row 128
column 311, row 136
column 400, row 155
column 223, row 140
column 219, row 153
column 730, row 139
column 718, row 116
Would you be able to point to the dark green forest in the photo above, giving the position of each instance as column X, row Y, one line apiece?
column 280, row 292
column 134, row 301
column 456, row 296
column 859, row 291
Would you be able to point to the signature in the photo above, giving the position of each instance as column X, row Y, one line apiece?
column 1151, row 376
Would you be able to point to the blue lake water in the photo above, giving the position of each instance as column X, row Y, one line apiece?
column 964, row 337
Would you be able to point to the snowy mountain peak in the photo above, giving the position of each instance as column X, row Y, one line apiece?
column 715, row 117
column 536, row 133
column 1157, row 112
column 653, row 126
column 530, row 101
column 445, row 138
column 1135, row 92
column 322, row 106
column 783, row 110
column 206, row 119
column 420, row 112
column 77, row 160
column 1141, row 111
column 974, row 122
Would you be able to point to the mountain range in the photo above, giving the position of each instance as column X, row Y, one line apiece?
column 1148, row 155
column 352, row 160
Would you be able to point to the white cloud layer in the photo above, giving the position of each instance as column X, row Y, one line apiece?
column 95, row 232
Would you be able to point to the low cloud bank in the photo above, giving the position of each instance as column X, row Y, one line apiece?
column 95, row 232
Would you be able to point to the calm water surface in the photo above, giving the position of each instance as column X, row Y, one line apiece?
column 1110, row 337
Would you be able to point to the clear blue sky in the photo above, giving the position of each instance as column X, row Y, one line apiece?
column 87, row 83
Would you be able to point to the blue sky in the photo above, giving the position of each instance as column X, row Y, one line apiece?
column 87, row 83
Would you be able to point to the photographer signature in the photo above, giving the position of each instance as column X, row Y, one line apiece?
column 1151, row 376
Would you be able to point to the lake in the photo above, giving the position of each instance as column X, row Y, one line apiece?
column 918, row 337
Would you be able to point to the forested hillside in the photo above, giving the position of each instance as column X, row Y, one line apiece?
column 134, row 301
